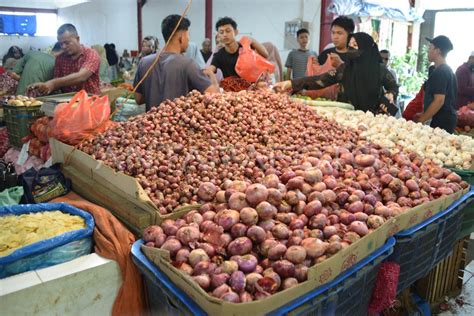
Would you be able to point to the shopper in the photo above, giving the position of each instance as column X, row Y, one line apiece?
column 341, row 29
column 440, row 88
column 34, row 67
column 76, row 68
column 206, row 50
column 174, row 75
column 362, row 78
column 465, row 78
column 275, row 59
column 104, row 64
column 297, row 60
column 11, row 57
column 193, row 52
column 112, row 59
column 385, row 56
column 226, row 58
column 149, row 46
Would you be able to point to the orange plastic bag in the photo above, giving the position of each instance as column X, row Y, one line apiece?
column 81, row 118
column 314, row 69
column 250, row 65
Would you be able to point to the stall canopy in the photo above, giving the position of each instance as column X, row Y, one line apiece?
column 394, row 10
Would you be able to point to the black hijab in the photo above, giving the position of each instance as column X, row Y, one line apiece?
column 361, row 78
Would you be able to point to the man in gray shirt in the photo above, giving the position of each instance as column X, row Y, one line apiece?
column 175, row 74
column 297, row 59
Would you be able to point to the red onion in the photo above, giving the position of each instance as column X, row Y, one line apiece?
column 230, row 297
column 267, row 225
column 151, row 232
column 207, row 191
column 271, row 181
column 289, row 282
column 182, row 255
column 172, row 245
column 295, row 254
column 221, row 290
column 237, row 281
column 351, row 237
column 245, row 297
column 312, row 208
column 227, row 218
column 247, row 263
column 281, row 231
column 219, row 279
column 229, row 267
column 359, row 228
column 256, row 193
column 251, row 280
column 364, row 160
column 186, row 268
column 266, row 211
column 301, row 272
column 276, row 252
column 187, row 235
column 240, row 246
column 284, row 268
column 203, row 281
column 197, row 255
column 314, row 247
column 329, row 231
column 238, row 230
column 318, row 221
column 169, row 227
column 256, row 234
column 237, row 201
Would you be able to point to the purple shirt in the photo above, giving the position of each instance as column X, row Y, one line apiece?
column 173, row 76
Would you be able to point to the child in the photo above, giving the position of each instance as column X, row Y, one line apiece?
column 297, row 59
column 226, row 58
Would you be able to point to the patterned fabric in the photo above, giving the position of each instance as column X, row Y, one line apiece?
column 88, row 59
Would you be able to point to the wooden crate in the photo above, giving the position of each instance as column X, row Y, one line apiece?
column 446, row 278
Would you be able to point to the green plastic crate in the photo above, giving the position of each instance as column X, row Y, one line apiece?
column 467, row 225
column 18, row 120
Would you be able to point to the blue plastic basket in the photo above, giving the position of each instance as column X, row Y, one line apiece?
column 420, row 248
column 52, row 251
column 334, row 298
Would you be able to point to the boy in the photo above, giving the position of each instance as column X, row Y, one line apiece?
column 226, row 58
column 297, row 59
column 341, row 28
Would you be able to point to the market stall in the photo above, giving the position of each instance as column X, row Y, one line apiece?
column 254, row 202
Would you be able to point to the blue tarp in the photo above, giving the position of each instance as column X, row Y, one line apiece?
column 18, row 24
column 45, row 253
column 381, row 9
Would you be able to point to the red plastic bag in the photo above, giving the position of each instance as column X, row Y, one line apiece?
column 250, row 65
column 465, row 117
column 80, row 119
column 314, row 69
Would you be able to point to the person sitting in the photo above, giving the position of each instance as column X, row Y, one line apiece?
column 297, row 59
column 77, row 68
column 226, row 58
column 362, row 78
column 34, row 67
column 11, row 57
column 174, row 74
column 206, row 50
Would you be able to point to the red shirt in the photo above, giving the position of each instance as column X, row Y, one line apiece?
column 88, row 59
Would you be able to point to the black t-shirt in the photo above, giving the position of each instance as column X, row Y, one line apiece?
column 324, row 55
column 206, row 55
column 226, row 62
column 442, row 81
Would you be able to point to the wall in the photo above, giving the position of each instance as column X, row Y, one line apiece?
column 104, row 21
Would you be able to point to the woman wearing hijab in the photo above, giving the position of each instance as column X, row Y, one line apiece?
column 275, row 59
column 362, row 78
column 10, row 59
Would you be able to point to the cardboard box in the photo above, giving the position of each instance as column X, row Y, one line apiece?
column 317, row 275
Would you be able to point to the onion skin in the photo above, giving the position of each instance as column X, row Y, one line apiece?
column 239, row 246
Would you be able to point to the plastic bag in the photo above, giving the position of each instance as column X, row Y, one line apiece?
column 314, row 69
column 45, row 184
column 11, row 196
column 250, row 65
column 465, row 117
column 81, row 118
column 45, row 253
column 127, row 110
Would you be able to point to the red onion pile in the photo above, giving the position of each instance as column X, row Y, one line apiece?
column 249, row 241
column 172, row 149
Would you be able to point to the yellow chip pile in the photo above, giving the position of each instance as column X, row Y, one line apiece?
column 17, row 231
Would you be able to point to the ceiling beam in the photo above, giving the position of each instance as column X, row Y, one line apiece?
column 28, row 10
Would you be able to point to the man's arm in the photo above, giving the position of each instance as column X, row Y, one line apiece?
column 288, row 73
column 139, row 99
column 259, row 48
column 434, row 107
column 69, row 80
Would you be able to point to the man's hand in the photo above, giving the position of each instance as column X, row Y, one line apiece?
column 383, row 108
column 336, row 60
column 416, row 117
column 14, row 75
column 43, row 87
column 282, row 86
column 389, row 96
column 211, row 75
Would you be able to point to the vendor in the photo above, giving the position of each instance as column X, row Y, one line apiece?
column 362, row 78
column 226, row 58
column 34, row 67
column 174, row 74
column 75, row 69
column 440, row 88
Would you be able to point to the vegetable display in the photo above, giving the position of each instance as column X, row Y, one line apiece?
column 21, row 100
column 387, row 131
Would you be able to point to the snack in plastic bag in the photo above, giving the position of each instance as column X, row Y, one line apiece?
column 81, row 118
column 250, row 65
